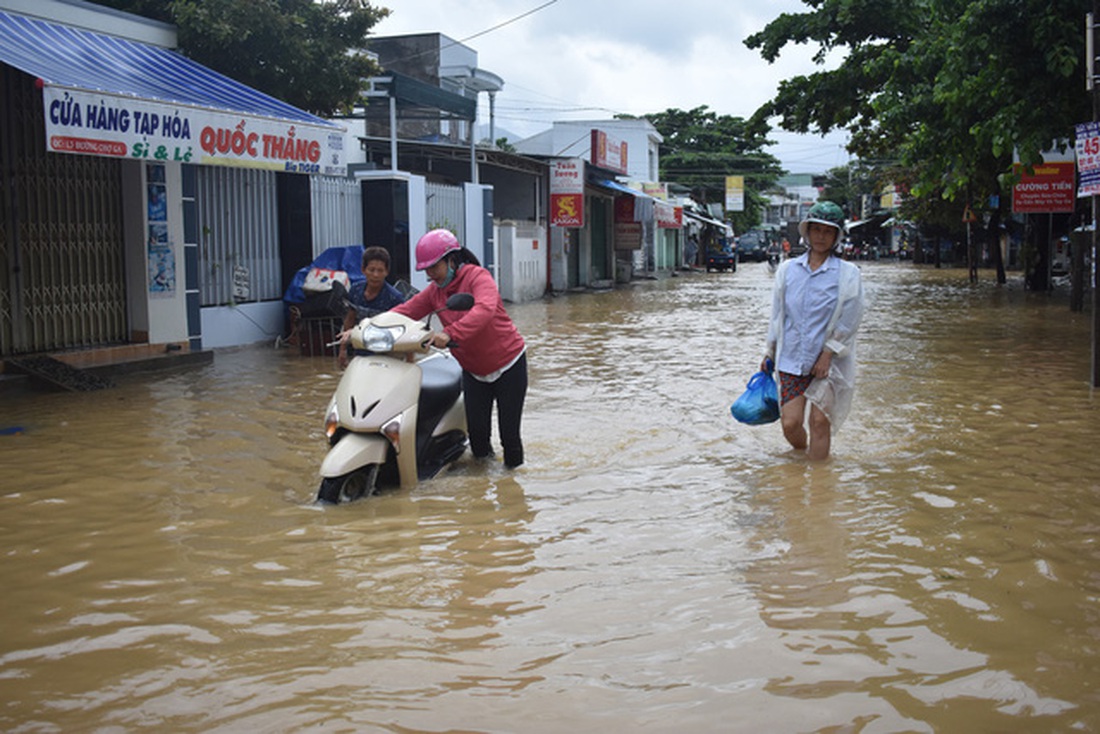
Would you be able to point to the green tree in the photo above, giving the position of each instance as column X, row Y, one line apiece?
column 701, row 148
column 309, row 54
column 951, row 88
column 849, row 184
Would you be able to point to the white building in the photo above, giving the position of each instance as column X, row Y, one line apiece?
column 573, row 139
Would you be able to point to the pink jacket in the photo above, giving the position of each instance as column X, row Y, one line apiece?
column 484, row 338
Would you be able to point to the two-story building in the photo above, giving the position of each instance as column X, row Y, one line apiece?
column 412, row 146
column 610, row 217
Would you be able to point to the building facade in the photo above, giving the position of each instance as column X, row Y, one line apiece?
column 148, row 200
column 613, row 220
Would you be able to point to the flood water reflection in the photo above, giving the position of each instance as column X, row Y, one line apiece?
column 654, row 566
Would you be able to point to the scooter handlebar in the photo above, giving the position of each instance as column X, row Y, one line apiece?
column 431, row 341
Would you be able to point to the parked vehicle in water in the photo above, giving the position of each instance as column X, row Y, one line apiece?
column 753, row 245
column 721, row 259
column 397, row 415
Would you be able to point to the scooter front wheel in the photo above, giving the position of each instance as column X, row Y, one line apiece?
column 348, row 487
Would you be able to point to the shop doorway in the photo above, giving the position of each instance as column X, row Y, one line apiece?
column 61, row 236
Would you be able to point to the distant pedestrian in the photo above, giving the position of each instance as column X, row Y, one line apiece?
column 691, row 251
column 817, row 305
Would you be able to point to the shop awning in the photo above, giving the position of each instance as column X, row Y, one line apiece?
column 620, row 188
column 705, row 219
column 667, row 214
column 644, row 209
column 878, row 220
column 110, row 96
column 412, row 95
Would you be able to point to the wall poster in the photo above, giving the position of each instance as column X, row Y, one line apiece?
column 161, row 258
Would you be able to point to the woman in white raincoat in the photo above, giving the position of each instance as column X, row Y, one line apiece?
column 817, row 304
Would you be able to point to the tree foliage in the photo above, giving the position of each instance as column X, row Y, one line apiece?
column 951, row 88
column 853, row 183
column 701, row 148
column 309, row 54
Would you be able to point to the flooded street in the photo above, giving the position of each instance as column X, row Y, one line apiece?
column 655, row 566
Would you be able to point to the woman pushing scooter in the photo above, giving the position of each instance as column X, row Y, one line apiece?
column 483, row 340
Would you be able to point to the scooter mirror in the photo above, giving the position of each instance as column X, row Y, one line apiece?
column 460, row 302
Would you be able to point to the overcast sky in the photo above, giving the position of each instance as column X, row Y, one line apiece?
column 589, row 59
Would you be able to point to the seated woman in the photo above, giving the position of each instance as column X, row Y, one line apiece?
column 370, row 297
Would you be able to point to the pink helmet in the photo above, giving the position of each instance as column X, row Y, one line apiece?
column 431, row 248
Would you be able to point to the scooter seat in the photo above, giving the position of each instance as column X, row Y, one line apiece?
column 440, row 387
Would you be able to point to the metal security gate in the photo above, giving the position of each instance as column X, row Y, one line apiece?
column 61, row 236
column 337, row 212
column 446, row 208
column 238, row 236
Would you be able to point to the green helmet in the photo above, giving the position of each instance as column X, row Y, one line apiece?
column 823, row 212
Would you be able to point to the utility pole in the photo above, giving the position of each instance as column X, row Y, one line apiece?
column 1090, row 84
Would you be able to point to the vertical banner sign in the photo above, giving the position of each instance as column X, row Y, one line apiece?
column 161, row 258
column 669, row 216
column 567, row 193
column 608, row 152
column 735, row 193
column 1088, row 159
column 628, row 231
column 624, row 209
column 1048, row 190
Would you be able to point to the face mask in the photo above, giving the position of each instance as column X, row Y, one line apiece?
column 450, row 276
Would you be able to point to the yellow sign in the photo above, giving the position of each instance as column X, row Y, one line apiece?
column 735, row 193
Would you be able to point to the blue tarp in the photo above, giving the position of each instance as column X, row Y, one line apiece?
column 349, row 259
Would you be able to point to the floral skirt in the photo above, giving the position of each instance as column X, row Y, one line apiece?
column 792, row 386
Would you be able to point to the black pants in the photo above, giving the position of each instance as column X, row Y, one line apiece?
column 509, row 391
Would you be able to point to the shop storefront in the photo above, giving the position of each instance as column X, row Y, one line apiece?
column 668, row 247
column 603, row 231
column 130, row 167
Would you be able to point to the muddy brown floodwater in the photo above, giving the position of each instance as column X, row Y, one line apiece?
column 653, row 567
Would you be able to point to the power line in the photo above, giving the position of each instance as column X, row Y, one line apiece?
column 498, row 26
column 521, row 16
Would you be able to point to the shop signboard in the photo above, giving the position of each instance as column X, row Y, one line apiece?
column 608, row 152
column 735, row 193
column 669, row 216
column 628, row 231
column 624, row 209
column 1048, row 189
column 88, row 123
column 567, row 193
column 628, row 235
column 1087, row 149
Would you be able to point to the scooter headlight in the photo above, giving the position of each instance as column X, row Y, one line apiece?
column 332, row 420
column 381, row 338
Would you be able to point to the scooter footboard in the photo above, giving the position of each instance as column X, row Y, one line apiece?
column 353, row 451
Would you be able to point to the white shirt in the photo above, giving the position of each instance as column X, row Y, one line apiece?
column 810, row 299
column 833, row 395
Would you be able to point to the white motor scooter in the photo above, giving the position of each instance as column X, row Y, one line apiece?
column 397, row 415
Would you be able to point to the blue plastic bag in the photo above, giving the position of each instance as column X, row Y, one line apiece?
column 759, row 404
